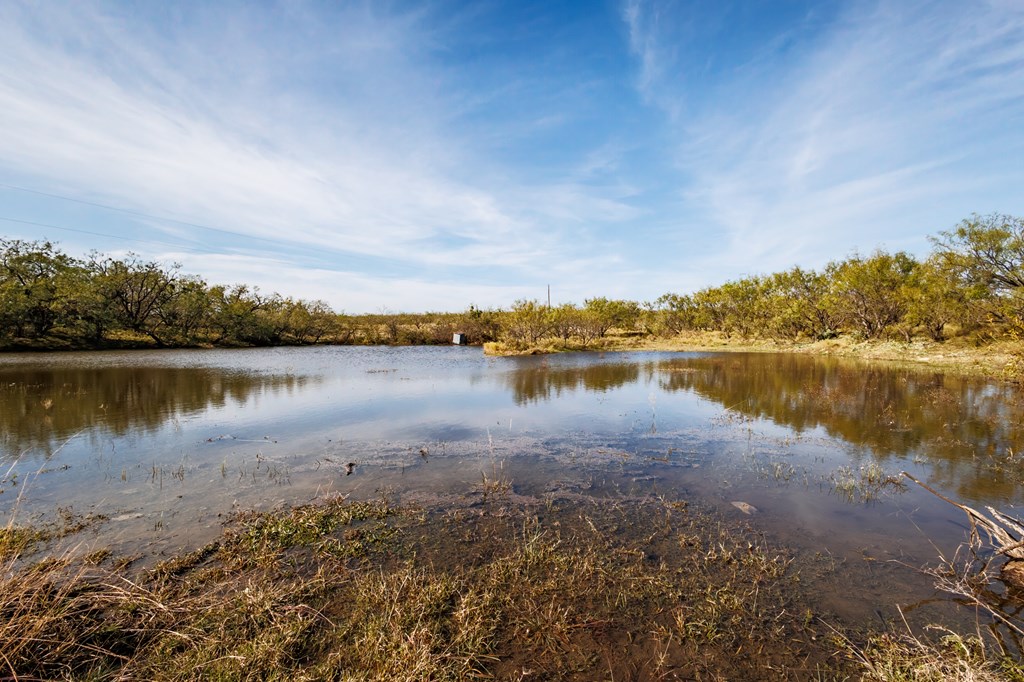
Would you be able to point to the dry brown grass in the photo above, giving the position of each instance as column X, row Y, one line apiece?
column 362, row 591
column 940, row 655
column 639, row 589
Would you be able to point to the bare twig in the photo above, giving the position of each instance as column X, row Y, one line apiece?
column 1005, row 533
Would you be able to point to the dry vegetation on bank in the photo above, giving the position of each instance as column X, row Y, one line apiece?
column 1002, row 360
column 573, row 589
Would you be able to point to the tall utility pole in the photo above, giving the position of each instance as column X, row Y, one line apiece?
column 549, row 296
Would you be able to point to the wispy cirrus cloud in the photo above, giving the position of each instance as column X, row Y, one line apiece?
column 506, row 146
column 219, row 152
column 364, row 291
column 338, row 131
column 886, row 122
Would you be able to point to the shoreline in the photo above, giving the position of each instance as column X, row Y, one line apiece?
column 1000, row 360
column 498, row 587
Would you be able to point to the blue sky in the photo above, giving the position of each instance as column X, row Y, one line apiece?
column 428, row 156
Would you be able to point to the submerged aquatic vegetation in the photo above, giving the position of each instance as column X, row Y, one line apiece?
column 17, row 539
column 260, row 536
column 864, row 484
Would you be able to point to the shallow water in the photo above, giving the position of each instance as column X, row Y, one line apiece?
column 165, row 443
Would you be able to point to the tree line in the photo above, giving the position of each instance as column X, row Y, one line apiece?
column 48, row 298
column 972, row 282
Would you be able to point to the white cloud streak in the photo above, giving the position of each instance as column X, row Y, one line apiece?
column 338, row 136
column 66, row 118
column 358, row 133
column 890, row 125
column 348, row 290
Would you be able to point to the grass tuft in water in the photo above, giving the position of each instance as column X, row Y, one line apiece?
column 864, row 484
column 950, row 657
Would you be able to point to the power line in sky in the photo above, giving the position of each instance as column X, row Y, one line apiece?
column 180, row 247
column 133, row 212
column 324, row 254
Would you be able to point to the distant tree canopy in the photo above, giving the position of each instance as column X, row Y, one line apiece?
column 972, row 282
column 97, row 300
column 984, row 255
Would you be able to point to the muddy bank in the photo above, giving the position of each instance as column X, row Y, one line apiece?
column 489, row 585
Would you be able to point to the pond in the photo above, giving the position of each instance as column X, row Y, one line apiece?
column 163, row 445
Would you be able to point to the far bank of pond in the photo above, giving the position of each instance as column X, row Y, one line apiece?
column 365, row 511
column 1002, row 360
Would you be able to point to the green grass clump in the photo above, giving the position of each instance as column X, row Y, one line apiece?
column 18, row 540
column 950, row 658
column 264, row 534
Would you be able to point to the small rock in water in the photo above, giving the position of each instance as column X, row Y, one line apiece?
column 744, row 507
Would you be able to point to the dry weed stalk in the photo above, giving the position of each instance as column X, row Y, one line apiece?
column 1005, row 533
column 970, row 579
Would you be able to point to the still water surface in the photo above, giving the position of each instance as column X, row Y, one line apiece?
column 165, row 443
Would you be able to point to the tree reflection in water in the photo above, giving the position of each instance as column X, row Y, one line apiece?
column 542, row 383
column 969, row 431
column 40, row 408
